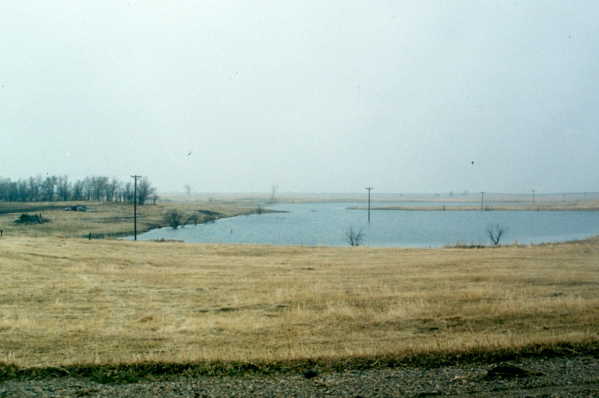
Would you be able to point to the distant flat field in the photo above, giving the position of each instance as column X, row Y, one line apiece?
column 587, row 205
column 469, row 198
column 74, row 301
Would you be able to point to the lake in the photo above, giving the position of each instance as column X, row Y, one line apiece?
column 325, row 224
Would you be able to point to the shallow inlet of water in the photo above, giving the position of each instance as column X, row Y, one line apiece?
column 325, row 224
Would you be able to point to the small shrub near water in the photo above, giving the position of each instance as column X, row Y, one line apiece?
column 174, row 218
column 354, row 237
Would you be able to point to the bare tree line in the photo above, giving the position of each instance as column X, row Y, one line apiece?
column 60, row 188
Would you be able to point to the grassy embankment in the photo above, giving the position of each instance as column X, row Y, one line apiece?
column 72, row 302
column 103, row 219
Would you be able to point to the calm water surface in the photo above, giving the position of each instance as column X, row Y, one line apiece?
column 316, row 224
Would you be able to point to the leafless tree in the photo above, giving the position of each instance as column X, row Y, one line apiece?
column 495, row 233
column 354, row 237
column 112, row 189
column 127, row 193
column 144, row 190
column 48, row 188
column 60, row 188
column 174, row 218
column 63, row 188
column 97, row 187
column 193, row 219
column 77, row 191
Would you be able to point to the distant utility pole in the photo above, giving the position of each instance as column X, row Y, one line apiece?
column 273, row 193
column 533, row 196
column 135, row 177
column 482, row 201
column 369, row 189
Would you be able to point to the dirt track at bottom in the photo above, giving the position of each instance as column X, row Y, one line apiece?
column 545, row 377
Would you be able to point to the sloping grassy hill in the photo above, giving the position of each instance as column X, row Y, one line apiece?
column 102, row 219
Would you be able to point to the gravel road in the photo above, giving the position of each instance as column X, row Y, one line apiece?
column 539, row 377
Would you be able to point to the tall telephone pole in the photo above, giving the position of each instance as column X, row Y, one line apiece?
column 369, row 189
column 135, row 177
column 482, row 201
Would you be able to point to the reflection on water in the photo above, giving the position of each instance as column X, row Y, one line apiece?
column 325, row 224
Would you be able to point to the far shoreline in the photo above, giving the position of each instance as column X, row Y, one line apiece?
column 534, row 208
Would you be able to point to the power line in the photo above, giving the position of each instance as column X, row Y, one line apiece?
column 369, row 189
column 135, row 177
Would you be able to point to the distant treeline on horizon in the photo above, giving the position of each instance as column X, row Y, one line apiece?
column 59, row 188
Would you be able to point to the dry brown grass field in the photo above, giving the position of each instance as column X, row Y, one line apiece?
column 73, row 301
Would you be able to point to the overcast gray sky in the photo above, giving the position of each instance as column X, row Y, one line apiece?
column 312, row 95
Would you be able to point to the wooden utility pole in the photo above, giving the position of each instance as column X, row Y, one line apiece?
column 369, row 189
column 533, row 196
column 273, row 193
column 482, row 201
column 135, row 177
